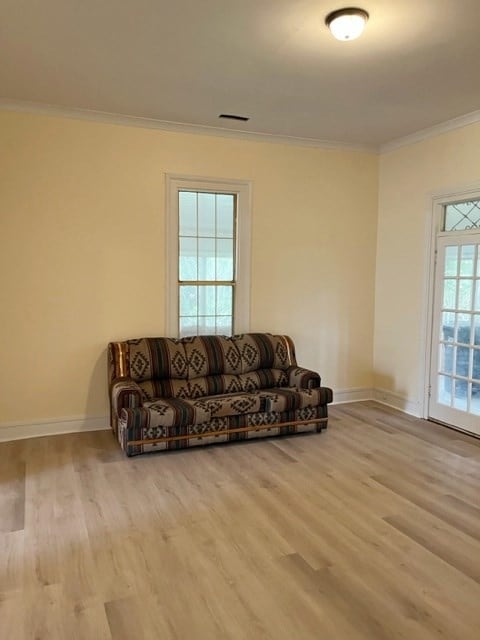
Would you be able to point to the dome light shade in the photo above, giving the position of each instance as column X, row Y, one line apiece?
column 347, row 24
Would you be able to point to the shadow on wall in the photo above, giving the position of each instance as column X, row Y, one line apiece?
column 97, row 405
column 386, row 391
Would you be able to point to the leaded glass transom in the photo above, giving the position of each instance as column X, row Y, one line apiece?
column 461, row 216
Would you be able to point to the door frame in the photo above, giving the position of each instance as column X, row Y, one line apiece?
column 437, row 200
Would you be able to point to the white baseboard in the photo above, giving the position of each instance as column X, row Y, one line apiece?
column 54, row 426
column 388, row 398
column 78, row 424
column 397, row 401
column 355, row 394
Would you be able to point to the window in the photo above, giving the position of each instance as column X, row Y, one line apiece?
column 208, row 256
column 462, row 216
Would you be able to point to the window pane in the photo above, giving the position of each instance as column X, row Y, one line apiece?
column 224, row 259
column 445, row 390
column 462, row 215
column 206, row 325
column 187, row 208
column 188, row 301
column 224, row 325
column 206, row 215
column 460, row 397
column 188, row 327
column 206, row 259
column 466, row 262
column 451, row 261
column 224, row 301
column 477, row 296
column 188, row 259
column 225, row 215
column 206, row 301
column 463, row 361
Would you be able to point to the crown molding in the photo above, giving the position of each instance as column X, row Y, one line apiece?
column 431, row 132
column 179, row 127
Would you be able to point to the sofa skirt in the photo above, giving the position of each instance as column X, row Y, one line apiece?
column 136, row 438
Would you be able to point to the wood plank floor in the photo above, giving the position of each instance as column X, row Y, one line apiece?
column 370, row 530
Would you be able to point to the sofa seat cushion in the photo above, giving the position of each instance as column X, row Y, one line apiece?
column 233, row 404
column 178, row 412
column 291, row 398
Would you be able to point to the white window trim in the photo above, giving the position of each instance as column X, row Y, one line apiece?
column 243, row 191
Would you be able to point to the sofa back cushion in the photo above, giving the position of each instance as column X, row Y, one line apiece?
column 264, row 351
column 211, row 356
column 161, row 363
column 252, row 381
column 157, row 358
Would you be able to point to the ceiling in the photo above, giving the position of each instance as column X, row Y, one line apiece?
column 187, row 61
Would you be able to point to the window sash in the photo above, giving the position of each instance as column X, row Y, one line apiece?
column 240, row 281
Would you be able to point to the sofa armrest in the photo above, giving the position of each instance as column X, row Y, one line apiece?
column 302, row 378
column 124, row 394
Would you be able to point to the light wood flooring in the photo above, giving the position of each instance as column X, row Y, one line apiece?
column 370, row 530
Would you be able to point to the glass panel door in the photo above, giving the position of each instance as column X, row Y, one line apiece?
column 455, row 366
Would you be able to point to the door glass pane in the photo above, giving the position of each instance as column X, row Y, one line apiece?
column 464, row 321
column 449, row 294
column 460, row 398
column 445, row 390
column 206, row 215
column 476, row 330
column 476, row 364
column 187, row 206
column 451, row 261
column 448, row 326
column 475, row 399
column 466, row 263
column 188, row 259
column 462, row 363
column 225, row 215
column 477, row 295
column 446, row 358
column 465, row 293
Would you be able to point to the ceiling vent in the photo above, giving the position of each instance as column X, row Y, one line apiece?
column 231, row 116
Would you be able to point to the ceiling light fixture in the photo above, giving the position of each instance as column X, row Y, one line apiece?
column 347, row 24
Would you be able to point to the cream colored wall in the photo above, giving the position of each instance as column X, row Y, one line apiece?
column 409, row 177
column 82, row 257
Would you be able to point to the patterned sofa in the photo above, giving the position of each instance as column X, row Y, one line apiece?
column 170, row 393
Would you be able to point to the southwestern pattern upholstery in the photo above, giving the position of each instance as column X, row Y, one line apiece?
column 168, row 393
